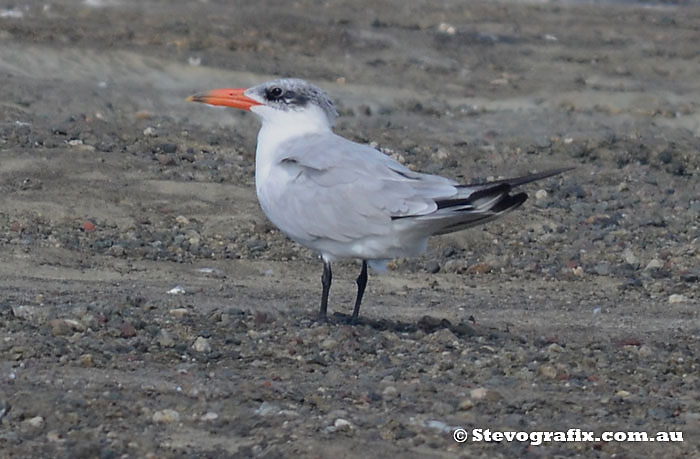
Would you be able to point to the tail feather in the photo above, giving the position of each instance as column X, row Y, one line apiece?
column 474, row 197
column 482, row 202
column 522, row 180
column 462, row 219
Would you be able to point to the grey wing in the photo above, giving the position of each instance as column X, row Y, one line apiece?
column 342, row 190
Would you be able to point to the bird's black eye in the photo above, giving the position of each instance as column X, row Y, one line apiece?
column 274, row 93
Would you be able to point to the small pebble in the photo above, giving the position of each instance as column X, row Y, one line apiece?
column 209, row 416
column 60, row 327
column 446, row 28
column 438, row 425
column 143, row 115
column 166, row 416
column 266, row 409
column 342, row 424
column 166, row 160
column 201, row 344
column 256, row 245
column 54, row 436
column 676, row 298
column 455, row 266
column 655, row 263
column 390, row 393
column 164, row 339
column 89, row 321
column 329, row 343
column 86, row 360
column 116, row 251
column 127, row 330
column 89, row 226
column 24, row 312
column 540, row 194
column 547, row 370
column 179, row 312
column 177, row 290
column 480, row 268
column 645, row 351
column 602, row 269
column 630, row 258
column 465, row 405
column 432, row 267
column 36, row 422
column 543, row 142
column 168, row 148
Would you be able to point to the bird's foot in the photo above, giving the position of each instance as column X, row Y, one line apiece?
column 346, row 319
column 322, row 318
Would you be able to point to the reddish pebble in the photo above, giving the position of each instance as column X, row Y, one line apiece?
column 480, row 268
column 89, row 226
column 629, row 341
column 127, row 330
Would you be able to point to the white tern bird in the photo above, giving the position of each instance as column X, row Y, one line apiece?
column 348, row 200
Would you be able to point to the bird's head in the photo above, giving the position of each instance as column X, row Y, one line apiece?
column 284, row 101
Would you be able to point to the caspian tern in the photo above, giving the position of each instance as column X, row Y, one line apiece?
column 348, row 200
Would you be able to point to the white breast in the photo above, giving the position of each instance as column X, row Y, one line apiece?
column 271, row 179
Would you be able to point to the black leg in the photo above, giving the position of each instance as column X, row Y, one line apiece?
column 361, row 284
column 326, row 282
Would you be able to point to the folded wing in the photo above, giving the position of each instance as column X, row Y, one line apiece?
column 341, row 190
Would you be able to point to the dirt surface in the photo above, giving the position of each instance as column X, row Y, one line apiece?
column 148, row 309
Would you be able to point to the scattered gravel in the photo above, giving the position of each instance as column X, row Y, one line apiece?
column 148, row 309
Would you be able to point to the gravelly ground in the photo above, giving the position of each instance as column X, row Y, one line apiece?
column 578, row 311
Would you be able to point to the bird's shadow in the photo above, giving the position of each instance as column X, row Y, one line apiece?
column 466, row 328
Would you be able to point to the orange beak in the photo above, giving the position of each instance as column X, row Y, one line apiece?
column 226, row 97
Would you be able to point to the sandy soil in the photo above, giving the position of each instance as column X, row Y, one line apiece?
column 580, row 310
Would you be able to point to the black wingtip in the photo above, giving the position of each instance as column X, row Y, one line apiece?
column 502, row 188
column 522, row 180
column 517, row 181
column 509, row 203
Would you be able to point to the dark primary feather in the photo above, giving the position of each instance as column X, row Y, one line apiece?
column 504, row 204
column 522, row 180
column 468, row 201
column 481, row 203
